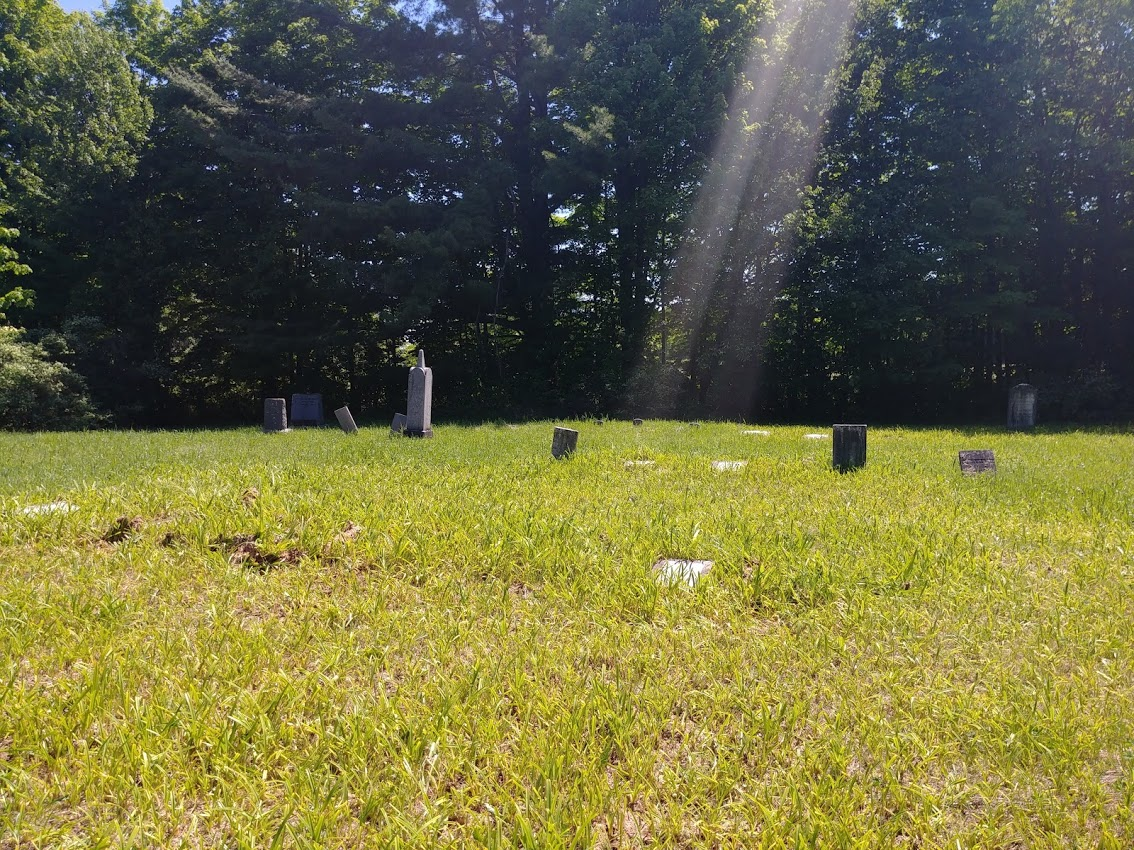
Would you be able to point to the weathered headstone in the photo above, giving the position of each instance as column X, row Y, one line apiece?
column 399, row 424
column 598, row 422
column 1022, row 407
column 694, row 424
column 419, row 401
column 346, row 421
column 275, row 415
column 758, row 433
column 637, row 423
column 307, row 409
column 563, row 442
column 848, row 447
column 977, row 461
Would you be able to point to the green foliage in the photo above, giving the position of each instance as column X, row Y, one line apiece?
column 37, row 392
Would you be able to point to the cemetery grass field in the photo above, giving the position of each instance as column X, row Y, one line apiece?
column 311, row 640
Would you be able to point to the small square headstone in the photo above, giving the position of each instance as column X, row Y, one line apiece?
column 399, row 424
column 307, row 409
column 977, row 461
column 346, row 421
column 637, row 423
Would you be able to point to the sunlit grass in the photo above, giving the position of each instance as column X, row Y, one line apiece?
column 313, row 640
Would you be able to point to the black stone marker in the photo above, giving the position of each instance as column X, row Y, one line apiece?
column 637, row 422
column 564, row 442
column 977, row 461
column 399, row 424
column 275, row 415
column 848, row 447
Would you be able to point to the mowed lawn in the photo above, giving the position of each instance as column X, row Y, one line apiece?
column 313, row 640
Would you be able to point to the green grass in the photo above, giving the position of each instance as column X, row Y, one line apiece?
column 312, row 640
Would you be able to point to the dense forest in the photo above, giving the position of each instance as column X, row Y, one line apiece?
column 889, row 210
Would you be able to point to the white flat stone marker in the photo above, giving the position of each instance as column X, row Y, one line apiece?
column 758, row 433
column 816, row 436
column 630, row 464
column 675, row 570
column 725, row 465
column 50, row 508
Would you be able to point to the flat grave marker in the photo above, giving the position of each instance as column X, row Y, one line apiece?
column 977, row 461
column 681, row 570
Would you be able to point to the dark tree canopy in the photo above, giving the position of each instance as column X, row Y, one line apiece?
column 891, row 210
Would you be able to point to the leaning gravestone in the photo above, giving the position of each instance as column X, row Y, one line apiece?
column 848, row 447
column 563, row 442
column 275, row 415
column 977, row 461
column 307, row 409
column 1022, row 407
column 346, row 421
column 419, row 401
column 398, row 426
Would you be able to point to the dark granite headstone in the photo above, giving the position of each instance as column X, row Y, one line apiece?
column 399, row 424
column 977, row 461
column 848, row 447
column 563, row 442
column 637, row 422
column 275, row 415
column 307, row 409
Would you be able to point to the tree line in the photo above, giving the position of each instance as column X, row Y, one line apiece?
column 776, row 209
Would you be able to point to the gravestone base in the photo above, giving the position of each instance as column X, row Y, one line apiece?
column 426, row 434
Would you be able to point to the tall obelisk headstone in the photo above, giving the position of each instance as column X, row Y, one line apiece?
column 1022, row 407
column 419, row 402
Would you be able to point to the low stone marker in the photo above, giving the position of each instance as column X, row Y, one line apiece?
column 637, row 423
column 694, row 424
column 758, row 433
column 816, row 436
column 677, row 570
column 729, row 465
column 346, row 421
column 275, row 416
column 1022, row 407
column 598, row 422
column 630, row 464
column 419, row 400
column 399, row 424
column 307, row 409
column 977, row 461
column 563, row 442
column 848, row 447
column 49, row 508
